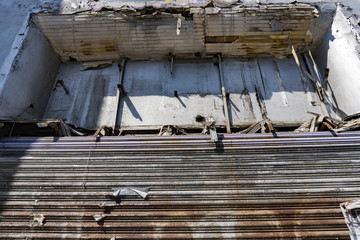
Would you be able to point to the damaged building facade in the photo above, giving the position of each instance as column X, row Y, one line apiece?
column 179, row 120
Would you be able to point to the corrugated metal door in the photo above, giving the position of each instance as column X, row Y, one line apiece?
column 244, row 187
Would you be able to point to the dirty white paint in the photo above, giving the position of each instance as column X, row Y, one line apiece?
column 91, row 101
column 30, row 78
column 255, row 93
column 29, row 61
column 237, row 31
column 340, row 53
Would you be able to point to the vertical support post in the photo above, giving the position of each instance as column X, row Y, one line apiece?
column 120, row 90
column 172, row 64
column 223, row 93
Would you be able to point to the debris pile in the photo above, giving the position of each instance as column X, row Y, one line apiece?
column 265, row 126
column 171, row 130
column 324, row 123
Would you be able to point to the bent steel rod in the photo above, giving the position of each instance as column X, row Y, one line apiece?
column 120, row 90
column 223, row 93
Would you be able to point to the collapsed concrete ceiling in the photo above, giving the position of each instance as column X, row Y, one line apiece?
column 185, row 32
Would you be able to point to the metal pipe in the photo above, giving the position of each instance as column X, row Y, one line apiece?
column 223, row 93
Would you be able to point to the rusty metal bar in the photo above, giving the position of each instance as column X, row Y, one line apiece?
column 120, row 90
column 223, row 94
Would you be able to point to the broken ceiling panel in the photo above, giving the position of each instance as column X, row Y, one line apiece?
column 109, row 35
column 263, row 29
column 188, row 32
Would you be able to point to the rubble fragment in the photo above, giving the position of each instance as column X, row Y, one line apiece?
column 99, row 217
column 171, row 131
column 38, row 219
column 265, row 126
column 349, row 126
column 322, row 123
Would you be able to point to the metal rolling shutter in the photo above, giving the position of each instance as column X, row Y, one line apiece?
column 244, row 187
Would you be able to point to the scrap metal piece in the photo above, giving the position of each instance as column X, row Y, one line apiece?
column 269, row 127
column 251, row 129
column 76, row 131
column 120, row 90
column 103, row 131
column 65, row 129
column 351, row 125
column 319, row 84
column 322, row 122
column 213, row 134
column 305, row 127
column 166, row 131
column 95, row 65
column 351, row 212
column 209, row 127
column 326, row 126
column 143, row 192
column 108, row 205
column 178, row 26
column 171, row 130
column 210, row 123
column 354, row 20
column 172, row 58
column 38, row 219
column 223, row 93
column 303, row 71
column 99, row 217
column 265, row 126
column 42, row 124
column 326, row 73
column 312, row 125
column 60, row 83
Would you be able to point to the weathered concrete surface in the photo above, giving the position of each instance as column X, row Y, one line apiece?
column 25, row 89
column 91, row 101
column 257, row 92
column 14, row 13
column 340, row 52
column 14, row 16
column 42, row 87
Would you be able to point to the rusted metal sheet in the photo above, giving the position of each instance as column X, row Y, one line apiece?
column 187, row 32
column 244, row 186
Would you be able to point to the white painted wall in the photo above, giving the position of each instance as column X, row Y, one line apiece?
column 29, row 79
column 339, row 52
